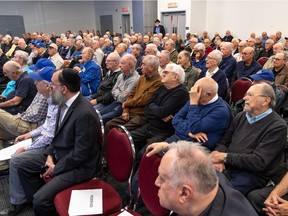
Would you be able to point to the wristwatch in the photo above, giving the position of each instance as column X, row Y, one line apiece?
column 225, row 158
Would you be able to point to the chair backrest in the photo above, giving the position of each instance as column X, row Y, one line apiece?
column 147, row 174
column 239, row 88
column 262, row 61
column 100, row 137
column 120, row 153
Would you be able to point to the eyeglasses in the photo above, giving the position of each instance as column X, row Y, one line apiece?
column 277, row 59
column 254, row 95
column 244, row 53
column 209, row 57
column 51, row 84
column 166, row 72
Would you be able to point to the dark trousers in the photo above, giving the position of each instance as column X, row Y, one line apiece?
column 244, row 181
column 36, row 191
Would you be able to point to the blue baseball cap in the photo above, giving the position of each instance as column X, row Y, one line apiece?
column 42, row 62
column 40, row 44
column 45, row 73
column 263, row 74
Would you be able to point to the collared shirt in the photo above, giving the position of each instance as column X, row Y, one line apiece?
column 252, row 120
column 45, row 132
column 213, row 99
column 69, row 103
column 210, row 74
column 37, row 110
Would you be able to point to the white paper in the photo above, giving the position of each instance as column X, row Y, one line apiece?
column 86, row 202
column 125, row 213
column 5, row 154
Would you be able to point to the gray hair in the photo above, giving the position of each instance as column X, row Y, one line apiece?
column 12, row 66
column 200, row 46
column 152, row 60
column 228, row 45
column 153, row 47
column 268, row 91
column 193, row 165
column 137, row 47
column 131, row 60
column 166, row 54
column 217, row 55
column 285, row 54
column 177, row 69
column 22, row 55
column 115, row 56
column 172, row 43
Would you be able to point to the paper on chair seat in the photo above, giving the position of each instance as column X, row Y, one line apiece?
column 5, row 154
column 125, row 213
column 86, row 202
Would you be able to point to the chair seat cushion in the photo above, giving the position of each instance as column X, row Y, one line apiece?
column 111, row 200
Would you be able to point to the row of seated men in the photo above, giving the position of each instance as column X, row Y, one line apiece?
column 244, row 66
column 157, row 107
column 148, row 69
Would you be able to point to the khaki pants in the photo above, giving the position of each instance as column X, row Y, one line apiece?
column 11, row 127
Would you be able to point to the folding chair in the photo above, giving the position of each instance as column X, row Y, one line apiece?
column 120, row 154
column 148, row 172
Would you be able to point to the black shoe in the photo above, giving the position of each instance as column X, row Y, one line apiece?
column 4, row 172
column 15, row 210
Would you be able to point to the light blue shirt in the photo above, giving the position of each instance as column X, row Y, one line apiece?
column 45, row 133
column 252, row 120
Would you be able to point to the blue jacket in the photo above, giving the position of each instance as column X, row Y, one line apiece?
column 90, row 77
column 201, row 64
column 244, row 71
column 212, row 119
column 228, row 65
column 220, row 78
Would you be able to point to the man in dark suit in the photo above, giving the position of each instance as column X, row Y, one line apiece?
column 73, row 154
column 186, row 172
column 158, row 28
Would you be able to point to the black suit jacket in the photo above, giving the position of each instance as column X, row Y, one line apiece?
column 162, row 30
column 227, row 202
column 75, row 142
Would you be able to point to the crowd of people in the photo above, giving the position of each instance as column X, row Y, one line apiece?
column 165, row 90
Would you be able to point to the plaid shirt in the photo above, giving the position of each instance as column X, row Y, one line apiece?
column 36, row 112
column 45, row 133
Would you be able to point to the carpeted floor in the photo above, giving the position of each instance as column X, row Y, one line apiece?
column 4, row 198
column 5, row 202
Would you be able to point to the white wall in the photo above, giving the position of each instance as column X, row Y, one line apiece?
column 241, row 17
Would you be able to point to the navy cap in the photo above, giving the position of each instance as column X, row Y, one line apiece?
column 45, row 73
column 43, row 62
column 40, row 44
column 263, row 74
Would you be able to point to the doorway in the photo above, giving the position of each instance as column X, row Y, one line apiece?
column 174, row 22
column 106, row 22
column 125, row 24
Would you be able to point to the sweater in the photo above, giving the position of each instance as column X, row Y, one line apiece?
column 141, row 94
column 165, row 102
column 256, row 147
column 212, row 119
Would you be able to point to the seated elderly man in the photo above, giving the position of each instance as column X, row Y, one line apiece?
column 197, row 120
column 228, row 62
column 133, row 108
column 213, row 59
column 200, row 57
column 269, row 64
column 280, row 68
column 191, row 73
column 187, row 189
column 18, row 100
column 164, row 60
column 247, row 154
column 125, row 82
column 165, row 103
column 54, row 56
column 89, row 72
column 170, row 46
column 248, row 65
column 151, row 49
